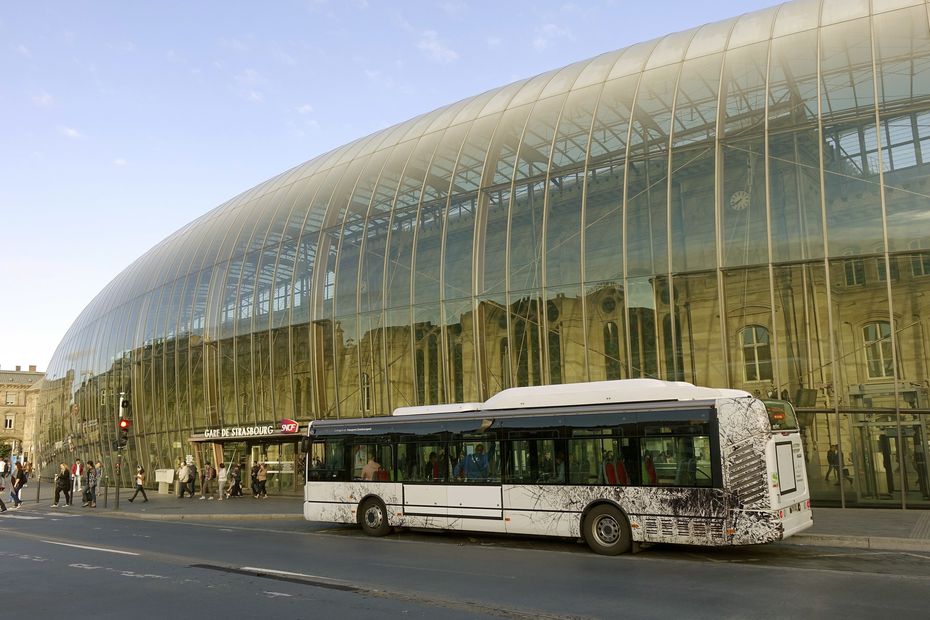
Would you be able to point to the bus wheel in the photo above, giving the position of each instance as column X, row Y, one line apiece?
column 607, row 531
column 373, row 517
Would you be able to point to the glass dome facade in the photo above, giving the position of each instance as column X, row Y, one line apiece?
column 744, row 204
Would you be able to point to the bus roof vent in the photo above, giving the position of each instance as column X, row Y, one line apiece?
column 453, row 408
column 620, row 391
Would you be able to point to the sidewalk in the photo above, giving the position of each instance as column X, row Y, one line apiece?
column 860, row 528
column 171, row 508
column 868, row 528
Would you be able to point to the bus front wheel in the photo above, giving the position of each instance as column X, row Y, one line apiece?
column 607, row 531
column 373, row 517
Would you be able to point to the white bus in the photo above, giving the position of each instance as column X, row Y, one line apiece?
column 613, row 462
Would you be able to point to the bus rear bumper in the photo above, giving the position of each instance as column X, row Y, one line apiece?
column 796, row 522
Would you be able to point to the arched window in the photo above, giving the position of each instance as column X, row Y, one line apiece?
column 757, row 353
column 876, row 337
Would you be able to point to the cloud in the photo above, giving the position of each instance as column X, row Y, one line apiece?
column 43, row 100
column 70, row 132
column 493, row 42
column 119, row 161
column 547, row 33
column 434, row 48
column 255, row 96
column 22, row 49
column 283, row 57
column 248, row 77
column 305, row 109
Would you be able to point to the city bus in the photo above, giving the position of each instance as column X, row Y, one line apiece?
column 613, row 463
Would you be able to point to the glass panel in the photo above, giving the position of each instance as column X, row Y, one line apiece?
column 398, row 358
column 749, row 315
column 377, row 226
column 743, row 203
column 693, row 166
column 430, row 224
column 462, row 210
column 565, row 341
column 903, row 61
column 461, row 371
column 646, row 235
column 851, row 141
column 494, row 347
column 603, row 209
column 698, row 337
column 403, row 224
column 373, row 399
column 793, row 156
column 643, row 334
column 428, row 355
column 606, row 329
column 495, row 199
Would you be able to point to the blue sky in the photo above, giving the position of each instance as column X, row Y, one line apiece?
column 122, row 121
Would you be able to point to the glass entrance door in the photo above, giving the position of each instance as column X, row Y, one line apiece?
column 280, row 459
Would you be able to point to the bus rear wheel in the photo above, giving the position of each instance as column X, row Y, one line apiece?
column 607, row 531
column 372, row 516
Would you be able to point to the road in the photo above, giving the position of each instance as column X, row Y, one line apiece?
column 69, row 561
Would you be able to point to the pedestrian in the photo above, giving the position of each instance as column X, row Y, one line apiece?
column 234, row 489
column 62, row 484
column 262, row 480
column 77, row 477
column 4, row 469
column 833, row 463
column 221, row 477
column 90, row 490
column 191, row 478
column 253, row 479
column 206, row 480
column 140, row 485
column 2, row 505
column 18, row 481
column 184, row 477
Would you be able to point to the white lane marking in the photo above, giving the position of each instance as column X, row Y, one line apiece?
column 25, row 517
column 270, row 594
column 286, row 573
column 52, row 542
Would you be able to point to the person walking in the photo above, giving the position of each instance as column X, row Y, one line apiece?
column 833, row 464
column 2, row 505
column 221, row 480
column 262, row 477
column 90, row 490
column 140, row 485
column 62, row 485
column 191, row 478
column 206, row 480
column 184, row 477
column 253, row 480
column 77, row 477
column 18, row 481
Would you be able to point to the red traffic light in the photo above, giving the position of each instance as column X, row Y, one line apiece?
column 124, row 424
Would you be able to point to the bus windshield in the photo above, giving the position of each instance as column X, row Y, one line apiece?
column 781, row 415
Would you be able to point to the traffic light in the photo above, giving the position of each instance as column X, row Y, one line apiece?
column 122, row 437
column 123, row 407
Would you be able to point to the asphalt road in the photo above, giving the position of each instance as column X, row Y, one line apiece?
column 71, row 562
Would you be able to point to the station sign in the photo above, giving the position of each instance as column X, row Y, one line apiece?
column 285, row 427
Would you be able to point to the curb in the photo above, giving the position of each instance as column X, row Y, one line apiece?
column 874, row 543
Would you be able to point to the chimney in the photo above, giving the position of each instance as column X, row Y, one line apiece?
column 32, row 368
column 18, row 368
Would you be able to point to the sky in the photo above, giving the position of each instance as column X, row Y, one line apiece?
column 120, row 122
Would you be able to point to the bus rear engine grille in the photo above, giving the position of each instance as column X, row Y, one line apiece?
column 747, row 475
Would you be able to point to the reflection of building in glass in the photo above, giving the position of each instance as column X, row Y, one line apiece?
column 744, row 204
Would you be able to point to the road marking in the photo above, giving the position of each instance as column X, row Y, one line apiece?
column 285, row 573
column 270, row 594
column 52, row 542
column 26, row 517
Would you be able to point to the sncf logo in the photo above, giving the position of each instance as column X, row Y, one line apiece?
column 289, row 426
